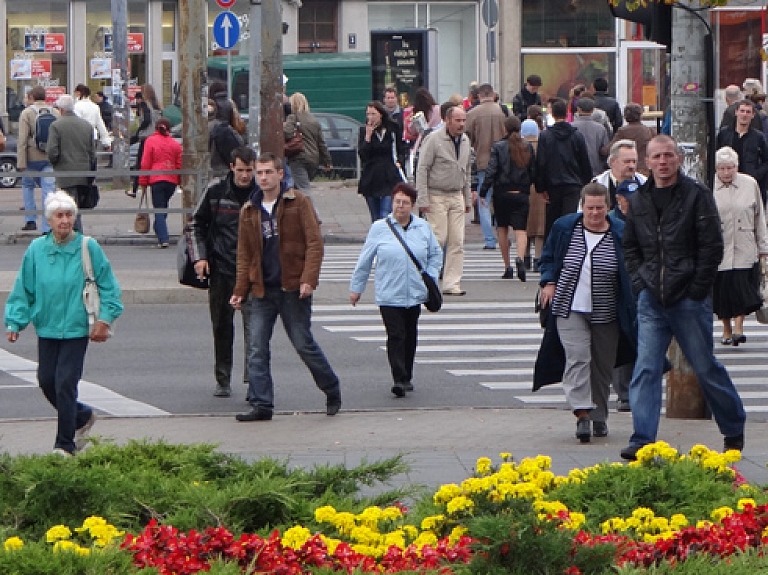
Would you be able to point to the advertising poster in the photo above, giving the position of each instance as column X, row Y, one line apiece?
column 34, row 42
column 562, row 72
column 398, row 59
column 21, row 69
column 52, row 93
column 55, row 43
column 135, row 42
column 101, row 68
column 41, row 68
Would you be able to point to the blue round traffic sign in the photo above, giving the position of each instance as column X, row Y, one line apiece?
column 226, row 30
column 225, row 3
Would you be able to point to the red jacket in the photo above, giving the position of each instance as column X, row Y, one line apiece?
column 160, row 153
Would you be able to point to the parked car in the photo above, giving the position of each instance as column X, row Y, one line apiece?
column 8, row 163
column 340, row 133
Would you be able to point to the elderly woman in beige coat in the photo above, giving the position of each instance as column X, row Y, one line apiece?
column 742, row 216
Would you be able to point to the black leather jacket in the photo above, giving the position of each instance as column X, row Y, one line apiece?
column 676, row 256
column 215, row 225
column 504, row 176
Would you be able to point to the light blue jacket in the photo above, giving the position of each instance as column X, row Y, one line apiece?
column 397, row 281
column 48, row 291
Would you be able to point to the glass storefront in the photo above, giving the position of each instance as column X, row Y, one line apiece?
column 739, row 38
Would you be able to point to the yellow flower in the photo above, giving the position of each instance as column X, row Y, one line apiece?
column 82, row 551
column 458, row 504
column 742, row 503
column 330, row 543
column 505, row 456
column 365, row 535
column 369, row 517
column 343, row 521
column 395, row 538
column 456, row 533
column 410, row 531
column 13, row 543
column 432, row 522
column 575, row 520
column 391, row 513
column 678, row 521
column 64, row 546
column 543, row 461
column 612, row 525
column 643, row 514
column 721, row 513
column 483, row 465
column 367, row 550
column 325, row 514
column 56, row 533
column 295, row 537
column 446, row 493
column 425, row 538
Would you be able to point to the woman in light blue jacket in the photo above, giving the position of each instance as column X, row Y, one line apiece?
column 400, row 290
column 48, row 293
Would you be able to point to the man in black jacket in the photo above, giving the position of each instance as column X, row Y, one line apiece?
column 526, row 97
column 748, row 143
column 562, row 166
column 214, row 250
column 607, row 104
column 672, row 248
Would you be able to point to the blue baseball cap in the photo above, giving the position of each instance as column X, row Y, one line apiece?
column 627, row 188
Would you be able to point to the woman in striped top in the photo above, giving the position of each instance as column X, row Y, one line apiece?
column 584, row 281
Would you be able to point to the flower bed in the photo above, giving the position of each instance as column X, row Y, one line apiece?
column 664, row 511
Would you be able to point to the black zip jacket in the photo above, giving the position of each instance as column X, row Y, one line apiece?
column 503, row 175
column 562, row 158
column 676, row 256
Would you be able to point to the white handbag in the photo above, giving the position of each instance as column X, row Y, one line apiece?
column 91, row 297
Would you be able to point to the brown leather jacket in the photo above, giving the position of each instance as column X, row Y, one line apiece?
column 300, row 245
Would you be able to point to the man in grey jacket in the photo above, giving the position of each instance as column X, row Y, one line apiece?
column 443, row 182
column 594, row 134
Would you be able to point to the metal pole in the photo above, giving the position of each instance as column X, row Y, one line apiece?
column 121, row 115
column 254, row 79
column 272, row 78
column 193, row 82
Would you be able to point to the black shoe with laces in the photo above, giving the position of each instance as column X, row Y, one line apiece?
column 583, row 432
column 630, row 452
column 332, row 405
column 398, row 389
column 29, row 227
column 734, row 442
column 599, row 429
column 256, row 414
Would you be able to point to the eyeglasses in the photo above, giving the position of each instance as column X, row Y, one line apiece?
column 402, row 203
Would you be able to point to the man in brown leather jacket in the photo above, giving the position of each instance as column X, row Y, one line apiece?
column 279, row 253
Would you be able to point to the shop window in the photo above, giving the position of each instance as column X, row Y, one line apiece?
column 562, row 71
column 567, row 24
column 318, row 26
column 739, row 47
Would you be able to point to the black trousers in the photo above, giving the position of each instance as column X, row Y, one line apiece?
column 223, row 324
column 401, row 324
column 563, row 200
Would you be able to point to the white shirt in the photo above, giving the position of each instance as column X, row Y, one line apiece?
column 88, row 110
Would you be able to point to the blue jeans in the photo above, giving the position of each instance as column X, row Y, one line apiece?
column 690, row 322
column 47, row 185
column 296, row 314
column 59, row 369
column 162, row 192
column 484, row 213
column 379, row 208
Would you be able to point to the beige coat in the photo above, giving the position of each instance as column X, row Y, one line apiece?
column 742, row 218
column 485, row 125
column 27, row 150
column 440, row 172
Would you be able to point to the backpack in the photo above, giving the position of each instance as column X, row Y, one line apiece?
column 42, row 127
column 223, row 140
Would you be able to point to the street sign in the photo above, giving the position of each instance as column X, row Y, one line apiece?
column 226, row 30
column 226, row 4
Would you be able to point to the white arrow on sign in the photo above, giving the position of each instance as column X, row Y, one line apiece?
column 227, row 25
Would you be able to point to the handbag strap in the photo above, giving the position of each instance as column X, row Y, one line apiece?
column 143, row 199
column 402, row 241
column 87, row 265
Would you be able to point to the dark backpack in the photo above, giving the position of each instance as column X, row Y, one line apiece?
column 42, row 127
column 224, row 140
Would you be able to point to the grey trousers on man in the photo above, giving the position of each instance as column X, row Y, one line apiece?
column 590, row 354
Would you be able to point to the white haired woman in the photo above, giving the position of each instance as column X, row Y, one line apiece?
column 742, row 217
column 48, row 292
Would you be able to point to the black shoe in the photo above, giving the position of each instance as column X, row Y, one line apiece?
column 407, row 386
column 734, row 442
column 520, row 269
column 622, row 406
column 489, row 247
column 222, row 391
column 739, row 338
column 332, row 405
column 29, row 227
column 398, row 389
column 630, row 452
column 509, row 273
column 599, row 429
column 583, row 433
column 256, row 414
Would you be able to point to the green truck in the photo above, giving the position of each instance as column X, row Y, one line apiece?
column 335, row 83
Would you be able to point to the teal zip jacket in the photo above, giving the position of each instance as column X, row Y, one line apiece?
column 48, row 291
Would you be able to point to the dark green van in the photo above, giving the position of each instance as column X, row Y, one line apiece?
column 336, row 83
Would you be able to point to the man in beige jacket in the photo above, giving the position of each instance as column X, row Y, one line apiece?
column 443, row 182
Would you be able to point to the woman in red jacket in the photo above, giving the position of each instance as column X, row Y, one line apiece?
column 161, row 152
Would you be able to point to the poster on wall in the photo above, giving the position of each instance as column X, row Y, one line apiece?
column 53, row 93
column 135, row 42
column 21, row 69
column 101, row 68
column 34, row 42
column 55, row 43
column 41, row 68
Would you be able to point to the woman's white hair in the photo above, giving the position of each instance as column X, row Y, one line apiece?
column 726, row 155
column 59, row 200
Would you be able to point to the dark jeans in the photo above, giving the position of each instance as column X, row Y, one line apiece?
column 59, row 368
column 162, row 192
column 401, row 324
column 563, row 200
column 223, row 323
column 379, row 207
column 296, row 314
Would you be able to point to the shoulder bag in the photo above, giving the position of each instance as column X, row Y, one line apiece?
column 91, row 297
column 762, row 314
column 434, row 297
column 295, row 145
column 141, row 224
column 184, row 263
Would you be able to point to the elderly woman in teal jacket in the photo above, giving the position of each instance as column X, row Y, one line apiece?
column 400, row 291
column 48, row 293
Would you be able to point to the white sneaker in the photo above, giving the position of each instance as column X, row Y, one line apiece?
column 81, row 435
column 62, row 452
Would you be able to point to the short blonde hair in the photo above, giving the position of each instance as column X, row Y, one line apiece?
column 59, row 200
column 298, row 103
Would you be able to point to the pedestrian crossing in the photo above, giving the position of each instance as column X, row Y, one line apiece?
column 497, row 349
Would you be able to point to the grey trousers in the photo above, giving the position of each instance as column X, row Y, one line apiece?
column 590, row 354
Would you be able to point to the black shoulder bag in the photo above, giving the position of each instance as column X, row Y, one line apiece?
column 434, row 297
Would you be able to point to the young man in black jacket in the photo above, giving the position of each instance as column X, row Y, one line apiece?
column 215, row 224
column 672, row 248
